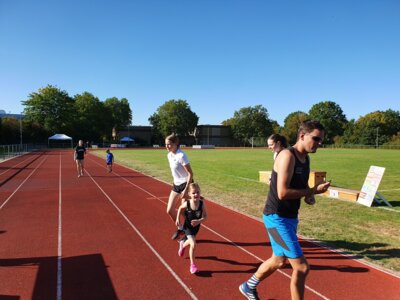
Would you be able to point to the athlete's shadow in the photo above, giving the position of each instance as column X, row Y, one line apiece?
column 83, row 277
column 209, row 273
column 9, row 297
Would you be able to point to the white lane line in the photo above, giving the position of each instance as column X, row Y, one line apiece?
column 59, row 250
column 390, row 190
column 389, row 209
column 22, row 183
column 220, row 235
column 261, row 260
column 15, row 165
column 187, row 289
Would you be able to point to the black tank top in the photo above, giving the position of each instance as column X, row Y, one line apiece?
column 288, row 208
column 191, row 214
column 80, row 151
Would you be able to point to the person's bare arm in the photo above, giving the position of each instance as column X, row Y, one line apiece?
column 284, row 166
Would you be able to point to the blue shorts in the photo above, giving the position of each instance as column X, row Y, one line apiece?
column 282, row 235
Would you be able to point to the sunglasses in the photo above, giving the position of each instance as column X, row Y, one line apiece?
column 316, row 139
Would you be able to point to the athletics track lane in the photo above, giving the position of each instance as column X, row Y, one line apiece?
column 100, row 248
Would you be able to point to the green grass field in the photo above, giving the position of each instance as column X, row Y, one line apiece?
column 230, row 177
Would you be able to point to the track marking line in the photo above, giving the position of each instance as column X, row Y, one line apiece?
column 22, row 183
column 177, row 278
column 220, row 235
column 152, row 198
column 15, row 166
column 261, row 260
column 59, row 248
column 310, row 240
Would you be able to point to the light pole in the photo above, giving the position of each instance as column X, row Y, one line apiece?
column 20, row 131
column 377, row 137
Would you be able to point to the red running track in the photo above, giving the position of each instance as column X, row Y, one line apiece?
column 107, row 236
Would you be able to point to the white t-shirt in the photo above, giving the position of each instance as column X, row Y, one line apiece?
column 176, row 162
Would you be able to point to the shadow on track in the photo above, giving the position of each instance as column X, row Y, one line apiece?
column 83, row 277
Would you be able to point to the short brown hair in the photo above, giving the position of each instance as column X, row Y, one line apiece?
column 309, row 125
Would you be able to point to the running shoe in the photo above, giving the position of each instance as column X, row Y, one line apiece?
column 181, row 250
column 193, row 268
column 249, row 293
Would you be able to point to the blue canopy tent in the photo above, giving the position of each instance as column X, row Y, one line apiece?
column 127, row 139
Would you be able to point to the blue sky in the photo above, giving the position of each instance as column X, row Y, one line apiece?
column 218, row 55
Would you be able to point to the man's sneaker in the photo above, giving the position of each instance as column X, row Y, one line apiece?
column 181, row 250
column 176, row 234
column 193, row 268
column 249, row 293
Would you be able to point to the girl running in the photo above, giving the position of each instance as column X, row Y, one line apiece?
column 194, row 212
column 182, row 174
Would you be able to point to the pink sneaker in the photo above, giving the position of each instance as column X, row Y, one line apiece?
column 193, row 268
column 181, row 250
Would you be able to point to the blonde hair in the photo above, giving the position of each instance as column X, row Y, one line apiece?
column 173, row 138
column 194, row 185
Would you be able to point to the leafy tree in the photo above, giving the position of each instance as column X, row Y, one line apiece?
column 228, row 122
column 291, row 125
column 33, row 132
column 331, row 116
column 119, row 113
column 395, row 140
column 377, row 128
column 91, row 117
column 249, row 123
column 10, row 131
column 276, row 128
column 174, row 116
column 349, row 134
column 52, row 108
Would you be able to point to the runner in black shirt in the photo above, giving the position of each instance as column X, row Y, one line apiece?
column 79, row 156
column 289, row 183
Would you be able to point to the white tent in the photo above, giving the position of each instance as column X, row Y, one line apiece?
column 59, row 137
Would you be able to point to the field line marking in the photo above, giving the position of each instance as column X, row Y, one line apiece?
column 220, row 235
column 22, row 183
column 59, row 248
column 388, row 208
column 177, row 278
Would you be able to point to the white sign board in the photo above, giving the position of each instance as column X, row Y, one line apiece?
column 333, row 193
column 370, row 186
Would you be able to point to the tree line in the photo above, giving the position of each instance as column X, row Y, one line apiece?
column 51, row 110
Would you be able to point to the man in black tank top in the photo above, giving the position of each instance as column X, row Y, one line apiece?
column 289, row 183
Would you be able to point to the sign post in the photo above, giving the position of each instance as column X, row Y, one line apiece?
column 369, row 191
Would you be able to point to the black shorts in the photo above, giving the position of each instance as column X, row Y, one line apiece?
column 190, row 230
column 179, row 188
